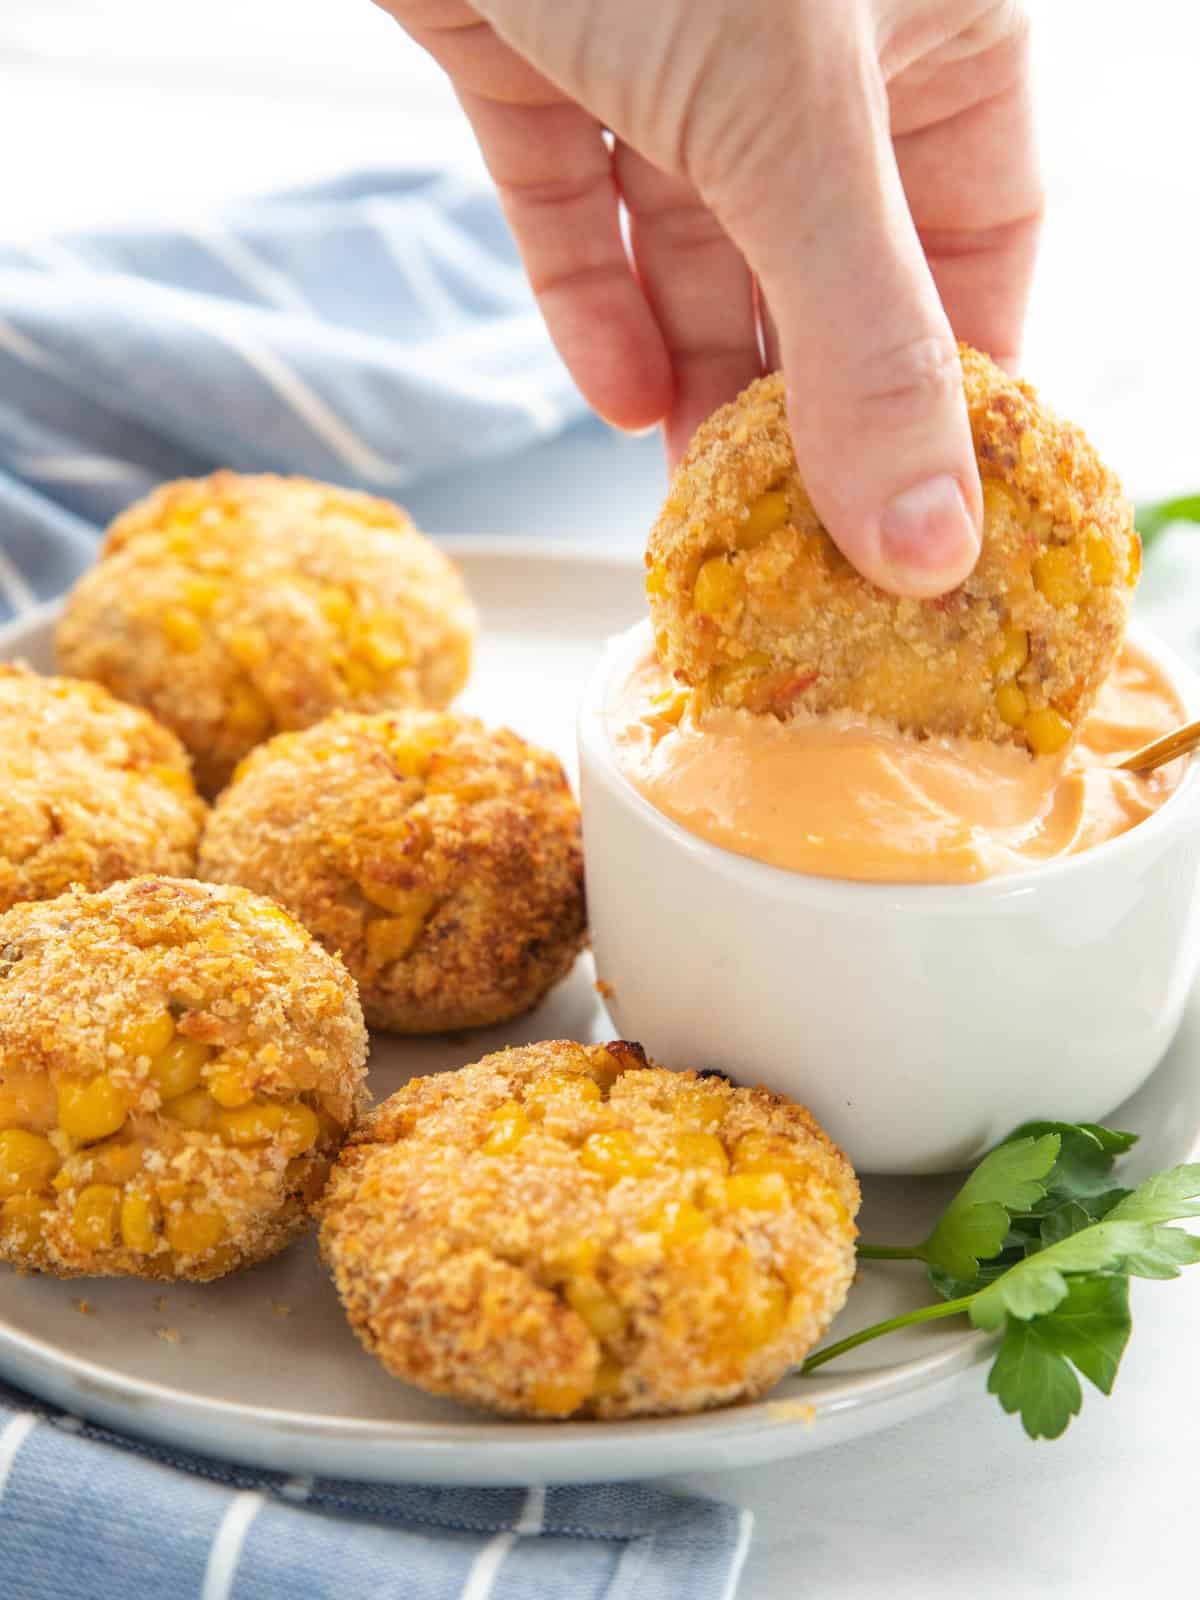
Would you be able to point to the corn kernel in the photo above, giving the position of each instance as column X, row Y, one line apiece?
column 1100, row 560
column 556, row 1397
column 678, row 1221
column 337, row 606
column 22, row 1220
column 91, row 1108
column 761, row 1152
column 716, row 586
column 172, row 778
column 192, row 1233
column 1057, row 577
column 247, row 712
column 27, row 1162
column 576, row 1257
column 253, row 1124
column 668, row 707
column 1135, row 557
column 1047, row 730
column 703, row 1150
column 1011, row 704
column 181, row 629
column 145, row 1036
column 116, row 1162
column 769, row 511
column 230, row 1090
column 592, row 1301
column 612, row 1154
column 608, row 1378
column 138, row 1222
column 391, row 938
column 358, row 677
column 301, row 1128
column 248, row 647
column 177, row 1067
column 509, row 1127
column 756, row 1191
column 998, row 501
column 196, row 1110
column 97, row 1211
column 556, row 1085
column 656, row 580
column 723, row 683
column 27, row 1100
column 400, row 902
column 201, row 594
column 762, row 1319
column 1012, row 652
column 382, row 646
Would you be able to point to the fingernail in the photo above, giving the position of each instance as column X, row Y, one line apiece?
column 927, row 531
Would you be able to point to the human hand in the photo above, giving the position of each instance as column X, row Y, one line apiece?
column 864, row 168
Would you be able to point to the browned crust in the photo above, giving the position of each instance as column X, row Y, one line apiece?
column 456, row 1265
column 824, row 638
column 235, row 606
column 365, row 820
column 239, row 975
column 91, row 791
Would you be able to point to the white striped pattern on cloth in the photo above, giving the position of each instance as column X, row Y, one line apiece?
column 485, row 1569
column 368, row 330
column 226, row 1549
column 12, row 1437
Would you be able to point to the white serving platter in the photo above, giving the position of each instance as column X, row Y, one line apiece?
column 262, row 1368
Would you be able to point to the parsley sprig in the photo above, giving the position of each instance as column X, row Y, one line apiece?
column 1154, row 517
column 1038, row 1246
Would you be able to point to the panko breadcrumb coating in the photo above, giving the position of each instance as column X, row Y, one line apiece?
column 753, row 605
column 179, row 1064
column 91, row 790
column 441, row 859
column 566, row 1229
column 233, row 607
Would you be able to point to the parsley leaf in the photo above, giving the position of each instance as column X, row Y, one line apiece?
column 1033, row 1370
column 975, row 1225
column 1154, row 518
column 1038, row 1246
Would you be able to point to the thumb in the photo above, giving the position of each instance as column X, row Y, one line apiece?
column 874, row 383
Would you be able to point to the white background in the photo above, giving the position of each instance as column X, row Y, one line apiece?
column 134, row 107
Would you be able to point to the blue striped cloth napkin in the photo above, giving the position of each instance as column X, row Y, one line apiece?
column 366, row 331
column 88, row 1515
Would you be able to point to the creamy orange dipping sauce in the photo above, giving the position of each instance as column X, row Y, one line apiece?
column 847, row 797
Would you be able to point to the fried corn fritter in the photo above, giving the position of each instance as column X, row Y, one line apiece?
column 179, row 1064
column 569, row 1230
column 440, row 858
column 91, row 790
column 233, row 607
column 754, row 606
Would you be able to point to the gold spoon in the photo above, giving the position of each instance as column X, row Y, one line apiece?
column 1159, row 751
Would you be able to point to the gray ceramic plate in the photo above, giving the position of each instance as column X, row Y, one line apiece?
column 262, row 1367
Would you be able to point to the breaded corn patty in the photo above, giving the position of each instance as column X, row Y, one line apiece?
column 567, row 1230
column 91, row 790
column 753, row 605
column 440, row 858
column 233, row 607
column 179, row 1065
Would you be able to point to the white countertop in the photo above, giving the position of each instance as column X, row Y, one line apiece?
column 138, row 106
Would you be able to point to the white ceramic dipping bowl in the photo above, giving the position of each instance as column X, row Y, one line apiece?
column 919, row 1023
